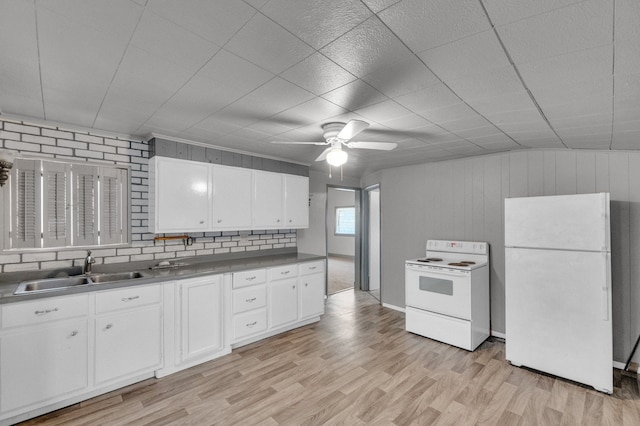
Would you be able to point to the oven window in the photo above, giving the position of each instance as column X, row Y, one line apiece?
column 436, row 285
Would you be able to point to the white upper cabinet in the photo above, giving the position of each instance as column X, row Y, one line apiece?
column 296, row 198
column 231, row 198
column 267, row 200
column 180, row 195
column 189, row 196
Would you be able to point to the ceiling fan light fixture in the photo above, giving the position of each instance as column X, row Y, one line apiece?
column 337, row 157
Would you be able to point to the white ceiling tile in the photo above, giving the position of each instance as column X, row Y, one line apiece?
column 257, row 3
column 626, row 140
column 486, row 130
column 163, row 38
column 450, row 113
column 407, row 122
column 627, row 115
column 402, row 78
column 537, row 139
column 514, row 101
column 355, row 95
column 588, row 142
column 214, row 124
column 378, row 5
column 505, row 11
column 115, row 19
column 268, row 45
column 627, row 60
column 627, row 16
column 430, row 98
column 318, row 74
column 216, row 21
column 517, row 116
column 426, row 24
column 582, row 122
column 585, row 106
column 576, row 27
column 317, row 22
column 20, row 90
column 475, row 54
column 560, row 71
column 601, row 130
column 468, row 122
column 66, row 107
column 574, row 91
column 497, row 82
column 367, row 48
column 383, row 111
column 311, row 111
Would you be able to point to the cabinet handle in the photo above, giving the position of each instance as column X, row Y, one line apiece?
column 46, row 311
column 312, row 267
column 250, row 300
column 284, row 272
column 219, row 220
column 290, row 220
column 251, row 278
column 306, row 284
column 201, row 222
column 129, row 299
column 278, row 221
column 108, row 327
column 293, row 286
column 74, row 333
column 251, row 324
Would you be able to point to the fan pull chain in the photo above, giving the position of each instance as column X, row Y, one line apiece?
column 340, row 173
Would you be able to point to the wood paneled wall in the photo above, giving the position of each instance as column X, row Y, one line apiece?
column 464, row 200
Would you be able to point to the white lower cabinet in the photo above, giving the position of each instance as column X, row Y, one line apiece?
column 201, row 317
column 42, row 364
column 127, row 343
column 283, row 302
column 312, row 289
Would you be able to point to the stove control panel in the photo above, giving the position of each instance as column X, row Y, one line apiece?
column 471, row 247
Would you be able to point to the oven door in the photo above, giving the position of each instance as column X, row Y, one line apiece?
column 445, row 291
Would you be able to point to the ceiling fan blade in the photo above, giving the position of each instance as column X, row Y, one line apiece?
column 383, row 146
column 352, row 128
column 299, row 143
column 323, row 156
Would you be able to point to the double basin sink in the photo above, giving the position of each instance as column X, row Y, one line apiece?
column 52, row 284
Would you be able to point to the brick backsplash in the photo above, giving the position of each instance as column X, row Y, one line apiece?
column 62, row 142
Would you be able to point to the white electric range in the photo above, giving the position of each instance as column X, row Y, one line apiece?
column 447, row 293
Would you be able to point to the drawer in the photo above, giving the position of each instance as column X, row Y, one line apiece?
column 125, row 298
column 245, row 278
column 44, row 310
column 454, row 331
column 311, row 267
column 249, row 323
column 249, row 298
column 282, row 272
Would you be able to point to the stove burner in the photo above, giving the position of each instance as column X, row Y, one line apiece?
column 468, row 262
column 458, row 264
column 433, row 259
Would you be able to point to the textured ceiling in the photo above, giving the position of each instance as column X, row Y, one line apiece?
column 442, row 78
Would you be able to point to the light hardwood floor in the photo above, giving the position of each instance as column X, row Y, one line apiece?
column 357, row 366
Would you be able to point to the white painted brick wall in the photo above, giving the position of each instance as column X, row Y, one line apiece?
column 67, row 143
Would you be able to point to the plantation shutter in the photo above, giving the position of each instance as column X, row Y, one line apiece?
column 56, row 205
column 112, row 205
column 25, row 202
column 85, row 205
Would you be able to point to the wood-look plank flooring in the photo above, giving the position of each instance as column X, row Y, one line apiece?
column 357, row 366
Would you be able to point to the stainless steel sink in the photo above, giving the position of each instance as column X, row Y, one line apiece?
column 52, row 284
column 117, row 276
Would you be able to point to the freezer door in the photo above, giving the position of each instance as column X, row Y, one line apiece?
column 570, row 222
column 558, row 314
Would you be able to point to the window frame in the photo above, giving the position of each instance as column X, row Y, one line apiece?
column 71, row 169
column 337, row 221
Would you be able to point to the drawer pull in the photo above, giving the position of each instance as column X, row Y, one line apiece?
column 108, row 327
column 251, row 324
column 74, row 333
column 284, row 272
column 250, row 300
column 311, row 268
column 306, row 284
column 129, row 299
column 293, row 286
column 251, row 278
column 46, row 311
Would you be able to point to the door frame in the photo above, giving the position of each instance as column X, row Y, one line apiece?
column 357, row 238
column 364, row 272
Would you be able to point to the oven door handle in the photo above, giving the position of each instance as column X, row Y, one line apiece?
column 435, row 271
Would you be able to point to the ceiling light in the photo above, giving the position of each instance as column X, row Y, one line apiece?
column 337, row 157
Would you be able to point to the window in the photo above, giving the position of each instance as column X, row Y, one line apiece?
column 57, row 204
column 345, row 221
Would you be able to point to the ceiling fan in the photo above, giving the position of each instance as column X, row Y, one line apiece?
column 336, row 135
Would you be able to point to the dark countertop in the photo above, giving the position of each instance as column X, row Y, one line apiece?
column 190, row 268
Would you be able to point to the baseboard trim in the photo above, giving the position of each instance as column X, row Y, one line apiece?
column 498, row 334
column 394, row 307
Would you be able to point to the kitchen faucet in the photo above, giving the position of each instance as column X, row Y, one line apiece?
column 88, row 262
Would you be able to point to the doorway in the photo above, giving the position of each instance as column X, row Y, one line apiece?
column 343, row 234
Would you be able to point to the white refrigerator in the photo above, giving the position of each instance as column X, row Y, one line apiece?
column 558, row 286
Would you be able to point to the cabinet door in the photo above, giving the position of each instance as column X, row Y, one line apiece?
column 283, row 302
column 296, row 200
column 127, row 343
column 267, row 200
column 201, row 317
column 183, row 195
column 42, row 363
column 311, row 295
column 231, row 198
